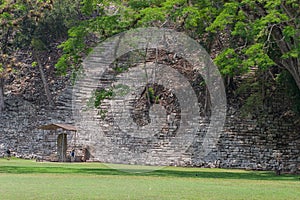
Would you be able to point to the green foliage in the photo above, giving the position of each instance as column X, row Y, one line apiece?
column 34, row 64
column 98, row 97
column 121, row 90
column 87, row 6
column 257, row 57
column 37, row 44
column 255, row 33
column 141, row 4
column 99, row 26
column 248, row 30
column 62, row 64
column 294, row 53
column 229, row 63
column 151, row 94
column 120, row 69
column 253, row 105
column 55, row 24
column 227, row 16
column 72, row 48
column 151, row 14
column 18, row 22
column 290, row 87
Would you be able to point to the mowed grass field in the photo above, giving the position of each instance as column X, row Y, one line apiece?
column 27, row 179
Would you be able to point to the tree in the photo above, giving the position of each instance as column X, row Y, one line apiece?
column 37, row 45
column 262, row 33
column 22, row 24
column 62, row 14
column 250, row 33
column 10, row 17
column 18, row 22
column 100, row 19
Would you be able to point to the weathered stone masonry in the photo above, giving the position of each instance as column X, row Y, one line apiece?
column 246, row 142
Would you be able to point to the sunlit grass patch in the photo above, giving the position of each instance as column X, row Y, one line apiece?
column 27, row 179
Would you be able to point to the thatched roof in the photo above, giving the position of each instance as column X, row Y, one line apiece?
column 67, row 127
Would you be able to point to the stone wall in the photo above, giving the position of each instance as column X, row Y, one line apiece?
column 246, row 142
column 19, row 125
column 249, row 145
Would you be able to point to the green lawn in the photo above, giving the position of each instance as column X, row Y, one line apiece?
column 26, row 179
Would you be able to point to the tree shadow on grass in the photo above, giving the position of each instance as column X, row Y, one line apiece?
column 247, row 175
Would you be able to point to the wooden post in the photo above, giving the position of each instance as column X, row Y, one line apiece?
column 62, row 147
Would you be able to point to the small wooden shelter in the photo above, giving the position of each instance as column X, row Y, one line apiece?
column 62, row 140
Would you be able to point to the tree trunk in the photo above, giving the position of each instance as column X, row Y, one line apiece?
column 285, row 46
column 2, row 105
column 291, row 64
column 45, row 84
column 296, row 78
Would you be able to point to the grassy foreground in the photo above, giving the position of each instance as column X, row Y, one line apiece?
column 26, row 179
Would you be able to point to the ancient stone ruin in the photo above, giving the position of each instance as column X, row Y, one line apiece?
column 121, row 118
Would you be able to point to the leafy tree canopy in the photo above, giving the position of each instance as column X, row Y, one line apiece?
column 251, row 33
